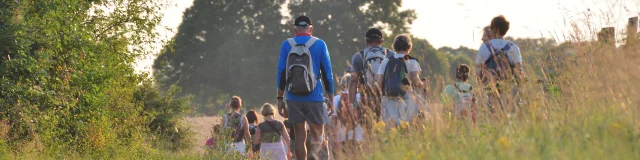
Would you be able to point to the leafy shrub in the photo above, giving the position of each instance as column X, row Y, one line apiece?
column 167, row 127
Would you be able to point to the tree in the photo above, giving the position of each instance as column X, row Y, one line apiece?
column 67, row 77
column 228, row 47
column 224, row 47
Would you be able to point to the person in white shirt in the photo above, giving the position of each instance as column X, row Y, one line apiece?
column 405, row 105
column 499, row 64
column 341, row 134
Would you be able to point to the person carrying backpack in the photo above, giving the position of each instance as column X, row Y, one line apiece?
column 499, row 65
column 272, row 136
column 460, row 94
column 364, row 66
column 239, row 125
column 399, row 76
column 252, row 117
column 345, row 120
column 304, row 62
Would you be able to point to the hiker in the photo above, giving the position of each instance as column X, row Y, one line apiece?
column 239, row 125
column 399, row 76
column 271, row 135
column 345, row 120
column 304, row 61
column 460, row 96
column 499, row 65
column 211, row 142
column 252, row 117
column 364, row 65
column 486, row 34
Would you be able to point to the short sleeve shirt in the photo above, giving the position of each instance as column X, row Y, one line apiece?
column 513, row 54
column 412, row 64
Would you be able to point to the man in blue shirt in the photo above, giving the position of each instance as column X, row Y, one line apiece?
column 301, row 108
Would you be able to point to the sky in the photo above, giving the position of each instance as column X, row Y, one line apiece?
column 457, row 23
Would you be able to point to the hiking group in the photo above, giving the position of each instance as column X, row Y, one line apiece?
column 380, row 85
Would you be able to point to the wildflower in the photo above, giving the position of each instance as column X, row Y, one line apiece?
column 503, row 142
column 616, row 125
column 404, row 125
column 380, row 127
column 393, row 131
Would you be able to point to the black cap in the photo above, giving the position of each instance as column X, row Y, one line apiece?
column 374, row 33
column 302, row 21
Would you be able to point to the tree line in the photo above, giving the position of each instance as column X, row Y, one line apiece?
column 225, row 48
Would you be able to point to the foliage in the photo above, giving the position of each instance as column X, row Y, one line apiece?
column 232, row 47
column 591, row 118
column 168, row 129
column 68, row 86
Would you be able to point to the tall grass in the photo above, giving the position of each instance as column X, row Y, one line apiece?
column 587, row 109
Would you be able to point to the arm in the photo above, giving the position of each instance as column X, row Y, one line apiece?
column 282, row 62
column 256, row 140
column 325, row 65
column 285, row 136
column 519, row 72
column 353, row 87
column 280, row 83
column 247, row 135
column 354, row 70
column 516, row 58
column 415, row 80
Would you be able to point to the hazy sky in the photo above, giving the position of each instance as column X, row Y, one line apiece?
column 459, row 22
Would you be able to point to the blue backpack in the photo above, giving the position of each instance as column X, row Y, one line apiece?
column 498, row 63
column 396, row 77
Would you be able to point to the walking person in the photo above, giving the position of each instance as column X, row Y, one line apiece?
column 399, row 80
column 499, row 64
column 364, row 65
column 486, row 34
column 459, row 95
column 239, row 125
column 348, row 131
column 252, row 117
column 304, row 62
column 272, row 136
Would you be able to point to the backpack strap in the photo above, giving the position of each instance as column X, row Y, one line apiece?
column 507, row 46
column 310, row 42
column 292, row 42
column 408, row 57
column 460, row 90
column 490, row 48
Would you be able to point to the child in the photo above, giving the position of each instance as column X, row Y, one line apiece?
column 460, row 94
column 270, row 135
column 345, row 120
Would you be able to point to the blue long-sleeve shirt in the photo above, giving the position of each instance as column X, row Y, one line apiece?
column 321, row 61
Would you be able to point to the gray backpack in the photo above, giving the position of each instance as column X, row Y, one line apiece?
column 371, row 60
column 300, row 79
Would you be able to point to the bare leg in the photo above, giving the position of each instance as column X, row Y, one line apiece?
column 301, row 138
column 317, row 132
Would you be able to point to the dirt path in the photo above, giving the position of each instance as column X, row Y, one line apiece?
column 202, row 127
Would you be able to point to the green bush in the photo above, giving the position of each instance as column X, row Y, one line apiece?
column 168, row 131
column 68, row 86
